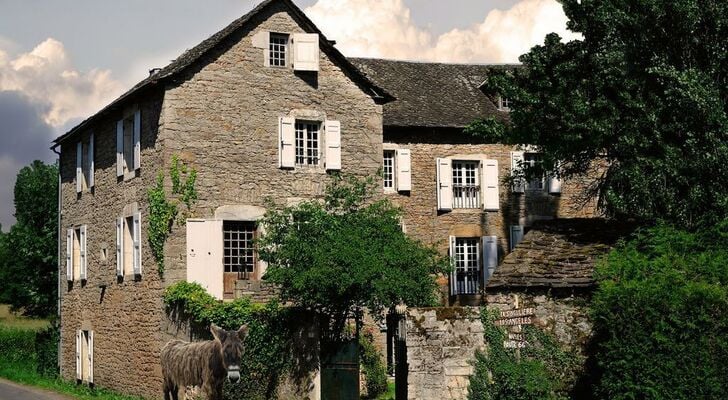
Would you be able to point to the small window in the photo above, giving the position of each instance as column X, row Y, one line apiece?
column 388, row 172
column 465, row 184
column 307, row 143
column 239, row 248
column 128, row 246
column 466, row 256
column 278, row 50
column 128, row 151
column 531, row 160
column 77, row 253
column 85, row 356
column 504, row 104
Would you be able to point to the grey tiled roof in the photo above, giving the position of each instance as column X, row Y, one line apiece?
column 431, row 94
column 195, row 53
column 559, row 253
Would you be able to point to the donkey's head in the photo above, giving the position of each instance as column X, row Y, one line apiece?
column 231, row 348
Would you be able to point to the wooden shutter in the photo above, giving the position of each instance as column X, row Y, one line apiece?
column 90, row 356
column 79, row 365
column 91, row 161
column 490, row 256
column 516, row 235
column 83, row 253
column 491, row 201
column 120, row 246
column 287, row 142
column 137, row 235
column 404, row 170
column 205, row 255
column 305, row 51
column 120, row 148
column 79, row 167
column 333, row 145
column 69, row 254
column 519, row 185
column 444, row 184
column 137, row 139
column 453, row 274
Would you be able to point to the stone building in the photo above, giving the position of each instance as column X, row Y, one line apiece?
column 269, row 108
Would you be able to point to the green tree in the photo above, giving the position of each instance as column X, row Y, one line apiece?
column 28, row 275
column 643, row 94
column 345, row 254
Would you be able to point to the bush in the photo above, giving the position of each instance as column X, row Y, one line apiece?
column 17, row 346
column 544, row 371
column 46, row 351
column 371, row 364
column 661, row 316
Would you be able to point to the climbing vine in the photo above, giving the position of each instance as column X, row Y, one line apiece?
column 163, row 210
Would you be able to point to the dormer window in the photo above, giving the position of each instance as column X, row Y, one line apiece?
column 278, row 50
column 504, row 104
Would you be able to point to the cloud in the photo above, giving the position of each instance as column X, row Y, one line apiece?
column 41, row 96
column 383, row 28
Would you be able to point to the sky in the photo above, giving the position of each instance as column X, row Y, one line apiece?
column 61, row 61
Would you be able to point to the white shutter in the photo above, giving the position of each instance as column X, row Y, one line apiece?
column 444, row 184
column 305, row 52
column 516, row 235
column 453, row 274
column 404, row 170
column 79, row 334
column 91, row 161
column 120, row 148
column 90, row 356
column 79, row 167
column 519, row 185
column 287, row 142
column 490, row 256
column 137, row 139
column 69, row 254
column 120, row 246
column 83, row 254
column 333, row 145
column 205, row 255
column 554, row 181
column 137, row 234
column 490, row 185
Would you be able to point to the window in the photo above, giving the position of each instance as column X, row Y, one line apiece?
column 307, row 143
column 531, row 160
column 466, row 256
column 85, row 356
column 128, row 149
column 388, row 169
column 465, row 184
column 239, row 248
column 85, row 164
column 278, row 50
column 128, row 245
column 76, row 253
column 128, row 145
column 504, row 104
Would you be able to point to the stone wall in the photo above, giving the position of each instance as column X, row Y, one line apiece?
column 441, row 347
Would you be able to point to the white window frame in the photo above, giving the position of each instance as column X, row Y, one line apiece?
column 128, row 144
column 250, row 270
column 303, row 143
column 504, row 104
column 278, row 50
column 129, row 245
column 466, row 255
column 530, row 159
column 467, row 192
column 389, row 170
column 85, row 356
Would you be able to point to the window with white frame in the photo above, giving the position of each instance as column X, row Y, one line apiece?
column 85, row 164
column 465, row 184
column 128, row 245
column 307, row 142
column 504, row 104
column 278, row 50
column 76, row 254
column 239, row 248
column 466, row 258
column 85, row 356
column 388, row 169
column 531, row 160
column 128, row 144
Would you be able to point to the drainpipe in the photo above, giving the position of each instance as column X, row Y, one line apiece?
column 58, row 260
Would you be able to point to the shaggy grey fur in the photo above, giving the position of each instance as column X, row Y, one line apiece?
column 204, row 364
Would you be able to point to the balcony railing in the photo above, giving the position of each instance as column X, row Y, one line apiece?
column 466, row 196
column 467, row 282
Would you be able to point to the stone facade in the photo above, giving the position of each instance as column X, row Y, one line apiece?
column 221, row 118
column 441, row 347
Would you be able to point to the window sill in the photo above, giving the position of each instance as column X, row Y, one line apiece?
column 466, row 210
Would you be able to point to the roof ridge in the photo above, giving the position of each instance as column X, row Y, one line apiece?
column 424, row 62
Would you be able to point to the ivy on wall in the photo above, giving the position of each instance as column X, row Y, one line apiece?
column 164, row 209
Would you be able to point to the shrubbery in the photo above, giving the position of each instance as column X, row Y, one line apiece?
column 661, row 316
column 371, row 364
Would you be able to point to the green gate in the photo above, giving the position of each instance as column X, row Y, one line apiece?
column 340, row 370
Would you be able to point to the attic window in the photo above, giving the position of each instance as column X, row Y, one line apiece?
column 278, row 49
column 504, row 103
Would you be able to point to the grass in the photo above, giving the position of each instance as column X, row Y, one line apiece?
column 13, row 320
column 389, row 394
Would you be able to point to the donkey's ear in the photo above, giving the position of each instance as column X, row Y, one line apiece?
column 218, row 333
column 243, row 331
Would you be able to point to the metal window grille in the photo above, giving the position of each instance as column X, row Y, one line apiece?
column 388, row 169
column 467, row 265
column 238, row 247
column 465, row 184
column 307, row 143
column 278, row 47
column 532, row 160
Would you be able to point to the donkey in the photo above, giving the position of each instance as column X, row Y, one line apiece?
column 204, row 364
